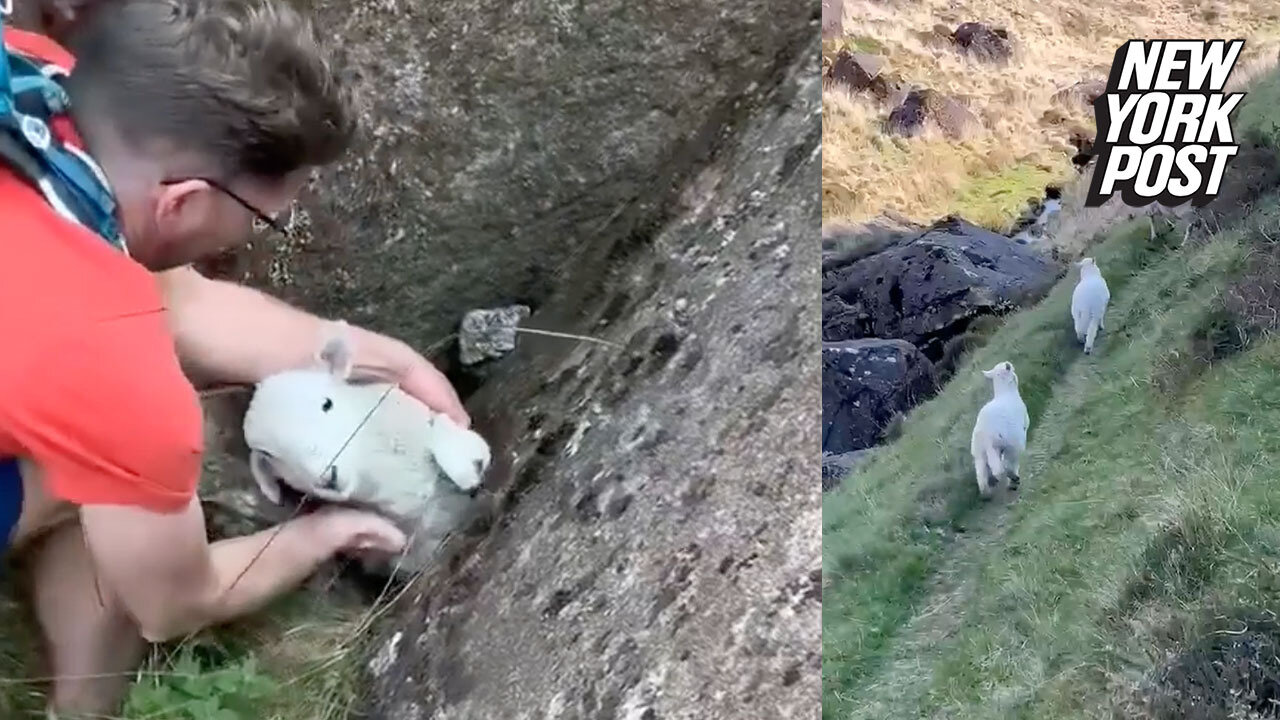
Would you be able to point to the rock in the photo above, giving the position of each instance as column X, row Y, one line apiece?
column 857, row 72
column 659, row 554
column 844, row 243
column 1081, row 94
column 927, row 288
column 983, row 42
column 1083, row 142
column 854, row 71
column 888, row 89
column 489, row 334
column 921, row 108
column 832, row 18
column 502, row 141
column 866, row 384
column 835, row 468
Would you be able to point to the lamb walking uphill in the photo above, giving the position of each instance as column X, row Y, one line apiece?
column 367, row 444
column 1000, row 432
column 1089, row 303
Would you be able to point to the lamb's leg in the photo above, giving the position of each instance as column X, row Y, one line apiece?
column 985, row 481
column 461, row 453
column 1012, row 460
column 1090, row 335
column 1078, row 318
column 995, row 461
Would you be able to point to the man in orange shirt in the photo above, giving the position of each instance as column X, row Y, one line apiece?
column 201, row 115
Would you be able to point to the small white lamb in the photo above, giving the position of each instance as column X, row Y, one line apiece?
column 1000, row 432
column 1089, row 303
column 367, row 444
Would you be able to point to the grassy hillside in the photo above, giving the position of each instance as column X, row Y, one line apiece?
column 1024, row 142
column 1141, row 558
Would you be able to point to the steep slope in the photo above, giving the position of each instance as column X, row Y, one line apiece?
column 1138, row 567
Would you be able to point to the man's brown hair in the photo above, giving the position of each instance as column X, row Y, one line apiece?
column 246, row 84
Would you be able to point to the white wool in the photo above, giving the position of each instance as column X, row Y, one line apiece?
column 1000, row 431
column 366, row 444
column 1089, row 303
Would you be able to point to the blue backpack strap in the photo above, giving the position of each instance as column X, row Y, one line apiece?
column 69, row 180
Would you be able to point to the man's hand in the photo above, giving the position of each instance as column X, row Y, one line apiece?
column 414, row 373
column 173, row 582
column 359, row 531
column 229, row 333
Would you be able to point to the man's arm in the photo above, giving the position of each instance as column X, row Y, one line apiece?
column 114, row 427
column 173, row 582
column 229, row 333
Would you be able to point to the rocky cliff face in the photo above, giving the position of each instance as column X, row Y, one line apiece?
column 505, row 141
column 646, row 174
column 658, row 551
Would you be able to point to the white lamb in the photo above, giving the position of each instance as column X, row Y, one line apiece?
column 365, row 444
column 1000, row 432
column 1089, row 303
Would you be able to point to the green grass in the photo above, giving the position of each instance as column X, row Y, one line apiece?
column 858, row 44
column 1149, row 509
column 1257, row 120
column 302, row 657
column 997, row 200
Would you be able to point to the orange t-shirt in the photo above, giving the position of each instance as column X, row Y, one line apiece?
column 90, row 384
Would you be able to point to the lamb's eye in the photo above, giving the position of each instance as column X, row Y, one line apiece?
column 328, row 405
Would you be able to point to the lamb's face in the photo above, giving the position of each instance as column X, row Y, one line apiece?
column 302, row 427
column 1087, row 267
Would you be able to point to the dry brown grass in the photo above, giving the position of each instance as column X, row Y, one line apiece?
column 987, row 177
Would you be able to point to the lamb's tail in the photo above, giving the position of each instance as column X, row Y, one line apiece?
column 1091, row 333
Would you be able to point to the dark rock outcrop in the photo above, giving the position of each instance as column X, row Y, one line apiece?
column 924, row 107
column 863, row 72
column 844, row 243
column 983, row 42
column 854, row 71
column 866, row 385
column 659, row 551
column 927, row 288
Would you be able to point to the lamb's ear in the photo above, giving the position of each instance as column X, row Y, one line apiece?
column 336, row 354
column 988, row 374
column 260, row 468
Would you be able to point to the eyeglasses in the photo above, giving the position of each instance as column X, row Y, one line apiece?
column 258, row 215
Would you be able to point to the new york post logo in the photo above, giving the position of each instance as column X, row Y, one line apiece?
column 1164, row 128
